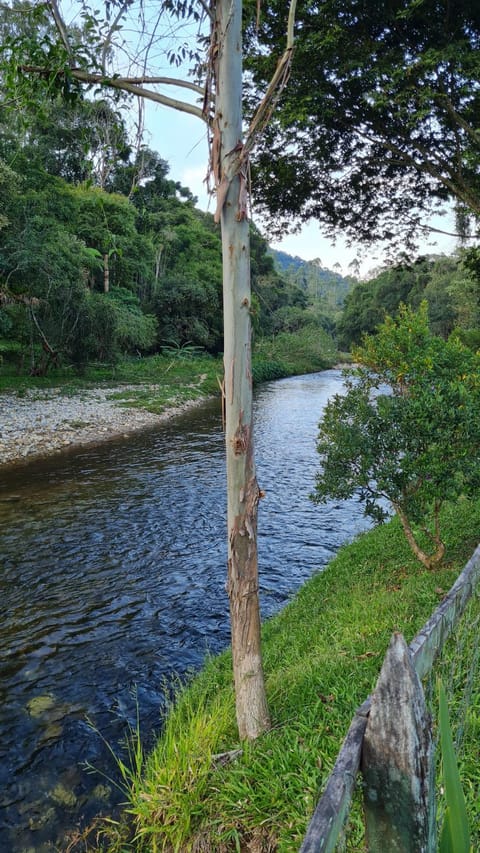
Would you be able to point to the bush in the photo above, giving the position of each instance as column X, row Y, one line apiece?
column 406, row 431
column 134, row 330
column 306, row 351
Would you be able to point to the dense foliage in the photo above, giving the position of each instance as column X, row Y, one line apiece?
column 102, row 255
column 407, row 430
column 378, row 125
column 326, row 289
column 450, row 286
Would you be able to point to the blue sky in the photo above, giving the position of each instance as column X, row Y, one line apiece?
column 181, row 140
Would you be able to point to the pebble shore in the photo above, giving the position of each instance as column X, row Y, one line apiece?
column 44, row 422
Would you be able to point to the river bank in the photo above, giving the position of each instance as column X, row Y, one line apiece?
column 48, row 421
column 108, row 586
column 40, row 416
column 322, row 654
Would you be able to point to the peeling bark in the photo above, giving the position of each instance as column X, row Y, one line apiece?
column 242, row 488
column 242, row 586
column 252, row 710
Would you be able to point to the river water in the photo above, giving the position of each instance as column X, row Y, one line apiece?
column 113, row 578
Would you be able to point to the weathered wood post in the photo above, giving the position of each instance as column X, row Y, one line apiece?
column 397, row 760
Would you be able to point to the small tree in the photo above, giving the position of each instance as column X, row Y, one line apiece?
column 407, row 431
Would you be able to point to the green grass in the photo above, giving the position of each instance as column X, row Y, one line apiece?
column 462, row 684
column 169, row 380
column 322, row 655
column 180, row 374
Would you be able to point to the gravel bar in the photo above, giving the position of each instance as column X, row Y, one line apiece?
column 40, row 423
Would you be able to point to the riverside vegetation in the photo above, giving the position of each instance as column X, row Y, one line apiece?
column 322, row 657
column 180, row 373
column 109, row 273
column 322, row 654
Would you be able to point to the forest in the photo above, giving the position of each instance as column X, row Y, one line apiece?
column 103, row 257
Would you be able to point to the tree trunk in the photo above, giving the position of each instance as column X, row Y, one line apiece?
column 430, row 561
column 242, row 487
column 106, row 272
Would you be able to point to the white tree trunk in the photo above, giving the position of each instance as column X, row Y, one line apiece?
column 106, row 272
column 243, row 491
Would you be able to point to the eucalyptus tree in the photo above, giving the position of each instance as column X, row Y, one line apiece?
column 379, row 124
column 86, row 57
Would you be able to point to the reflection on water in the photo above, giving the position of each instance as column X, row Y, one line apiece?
column 113, row 577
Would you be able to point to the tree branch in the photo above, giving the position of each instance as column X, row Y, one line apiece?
column 206, row 9
column 164, row 81
column 61, row 27
column 425, row 165
column 441, row 230
column 275, row 87
column 458, row 119
column 112, row 29
column 122, row 83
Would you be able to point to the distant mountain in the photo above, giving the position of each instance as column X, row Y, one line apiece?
column 285, row 262
column 328, row 287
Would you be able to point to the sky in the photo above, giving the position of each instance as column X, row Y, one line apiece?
column 180, row 139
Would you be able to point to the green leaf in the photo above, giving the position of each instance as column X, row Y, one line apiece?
column 455, row 836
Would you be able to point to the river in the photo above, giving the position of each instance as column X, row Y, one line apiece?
column 113, row 578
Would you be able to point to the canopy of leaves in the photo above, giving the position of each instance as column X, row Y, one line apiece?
column 379, row 122
column 128, row 225
column 406, row 432
column 450, row 288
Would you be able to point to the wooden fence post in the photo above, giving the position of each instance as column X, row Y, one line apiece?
column 397, row 760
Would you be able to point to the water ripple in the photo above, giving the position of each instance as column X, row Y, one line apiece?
column 113, row 577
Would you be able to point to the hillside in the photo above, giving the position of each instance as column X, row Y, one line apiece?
column 322, row 284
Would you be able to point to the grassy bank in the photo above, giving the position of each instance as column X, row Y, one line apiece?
column 171, row 377
column 322, row 657
column 180, row 374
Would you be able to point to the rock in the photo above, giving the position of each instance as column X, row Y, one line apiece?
column 63, row 796
column 46, row 422
column 40, row 704
column 39, row 821
column 101, row 792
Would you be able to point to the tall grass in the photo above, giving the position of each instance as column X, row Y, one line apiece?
column 455, row 836
column 163, row 381
column 181, row 374
column 190, row 375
